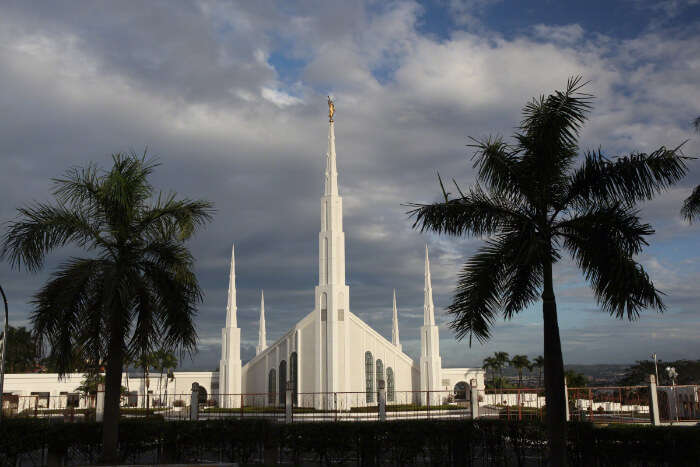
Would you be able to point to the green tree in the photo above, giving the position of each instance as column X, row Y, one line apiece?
column 538, row 363
column 138, row 287
column 520, row 363
column 146, row 361
column 531, row 203
column 490, row 364
column 501, row 361
column 165, row 362
column 575, row 380
column 691, row 206
column 22, row 353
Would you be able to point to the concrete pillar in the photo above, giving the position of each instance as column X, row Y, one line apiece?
column 474, row 398
column 653, row 402
column 381, row 399
column 194, row 402
column 566, row 400
column 288, row 405
column 100, row 403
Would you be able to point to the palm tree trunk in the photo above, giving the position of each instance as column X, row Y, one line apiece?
column 553, row 374
column 113, row 382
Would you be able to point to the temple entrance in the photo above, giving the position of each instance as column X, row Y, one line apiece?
column 461, row 390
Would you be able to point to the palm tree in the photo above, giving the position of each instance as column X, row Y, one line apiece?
column 502, row 360
column 138, row 287
column 531, row 203
column 146, row 361
column 538, row 363
column 691, row 206
column 520, row 362
column 164, row 360
column 490, row 364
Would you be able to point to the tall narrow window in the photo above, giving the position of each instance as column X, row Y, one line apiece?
column 271, row 386
column 324, row 306
column 325, row 260
column 283, row 381
column 390, row 395
column 369, row 376
column 380, row 371
column 293, row 375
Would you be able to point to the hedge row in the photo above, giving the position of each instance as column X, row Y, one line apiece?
column 429, row 442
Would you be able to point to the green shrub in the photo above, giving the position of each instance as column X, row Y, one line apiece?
column 405, row 442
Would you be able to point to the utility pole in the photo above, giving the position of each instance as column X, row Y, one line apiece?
column 656, row 368
column 3, row 347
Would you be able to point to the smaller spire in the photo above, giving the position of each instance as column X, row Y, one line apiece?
column 262, row 336
column 231, row 308
column 428, row 307
column 395, row 327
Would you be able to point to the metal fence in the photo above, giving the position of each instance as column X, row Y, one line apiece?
column 615, row 404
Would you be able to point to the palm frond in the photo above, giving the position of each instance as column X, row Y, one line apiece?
column 44, row 227
column 179, row 217
column 497, row 165
column 691, row 206
column 621, row 286
column 478, row 295
column 550, row 128
column 60, row 307
column 476, row 213
column 621, row 226
column 626, row 179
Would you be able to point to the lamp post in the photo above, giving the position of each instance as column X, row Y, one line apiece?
column 3, row 342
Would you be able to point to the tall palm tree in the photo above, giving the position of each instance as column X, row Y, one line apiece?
column 502, row 359
column 531, row 203
column 146, row 361
column 691, row 206
column 490, row 364
column 520, row 362
column 538, row 363
column 136, row 289
column 164, row 360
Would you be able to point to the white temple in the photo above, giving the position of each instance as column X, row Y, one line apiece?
column 330, row 356
column 331, row 350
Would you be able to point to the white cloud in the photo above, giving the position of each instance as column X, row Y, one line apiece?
column 280, row 98
column 569, row 34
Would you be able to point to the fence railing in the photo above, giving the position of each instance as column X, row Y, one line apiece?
column 613, row 404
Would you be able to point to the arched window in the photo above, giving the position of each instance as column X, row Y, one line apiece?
column 293, row 376
column 460, row 391
column 271, row 386
column 369, row 376
column 324, row 306
column 283, row 381
column 380, row 372
column 390, row 395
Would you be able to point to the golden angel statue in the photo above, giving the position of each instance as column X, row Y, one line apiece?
column 331, row 109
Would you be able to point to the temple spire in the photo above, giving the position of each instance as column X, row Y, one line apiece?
column 231, row 309
column 262, row 336
column 395, row 327
column 428, row 307
column 331, row 185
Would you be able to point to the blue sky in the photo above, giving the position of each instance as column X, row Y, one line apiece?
column 231, row 98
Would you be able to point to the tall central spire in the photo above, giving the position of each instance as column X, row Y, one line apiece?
column 331, row 185
column 332, row 294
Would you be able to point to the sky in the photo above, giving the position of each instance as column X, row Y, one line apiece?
column 231, row 99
